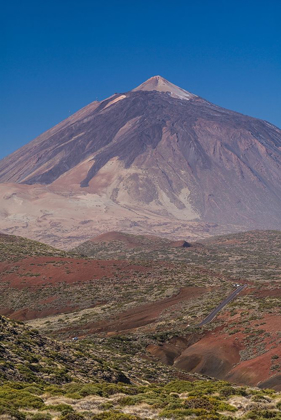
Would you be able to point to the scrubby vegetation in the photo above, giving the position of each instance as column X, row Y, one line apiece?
column 174, row 400
column 14, row 248
column 43, row 380
column 254, row 255
column 26, row 355
column 118, row 368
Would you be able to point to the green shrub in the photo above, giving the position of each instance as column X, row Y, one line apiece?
column 55, row 390
column 42, row 416
column 34, row 389
column 262, row 415
column 199, row 402
column 126, row 401
column 114, row 415
column 72, row 416
column 12, row 412
column 18, row 398
column 228, row 390
column 176, row 414
column 90, row 389
column 63, row 408
column 179, row 386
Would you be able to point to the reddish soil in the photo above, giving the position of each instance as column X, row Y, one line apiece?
column 270, row 323
column 47, row 271
column 168, row 352
column 26, row 314
column 218, row 354
column 144, row 314
column 27, row 276
column 210, row 356
column 268, row 292
column 253, row 371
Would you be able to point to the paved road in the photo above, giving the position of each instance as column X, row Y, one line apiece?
column 229, row 298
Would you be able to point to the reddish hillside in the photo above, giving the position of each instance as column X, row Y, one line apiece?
column 41, row 286
column 116, row 242
column 151, row 308
column 242, row 352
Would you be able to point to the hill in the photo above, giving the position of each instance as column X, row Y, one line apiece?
column 147, row 304
column 27, row 356
column 118, row 243
column 14, row 248
column 156, row 160
column 37, row 280
column 253, row 255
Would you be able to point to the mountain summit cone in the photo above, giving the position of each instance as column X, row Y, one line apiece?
column 159, row 84
column 154, row 160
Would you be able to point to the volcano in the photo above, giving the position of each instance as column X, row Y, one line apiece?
column 155, row 160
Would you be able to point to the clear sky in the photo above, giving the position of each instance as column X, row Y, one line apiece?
column 57, row 56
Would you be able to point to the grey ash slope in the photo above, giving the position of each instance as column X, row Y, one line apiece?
column 175, row 151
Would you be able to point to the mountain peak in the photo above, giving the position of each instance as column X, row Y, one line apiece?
column 150, row 164
column 159, row 84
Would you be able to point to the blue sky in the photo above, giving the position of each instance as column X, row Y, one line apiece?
column 58, row 56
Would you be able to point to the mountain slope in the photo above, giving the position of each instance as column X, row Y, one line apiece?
column 28, row 356
column 159, row 156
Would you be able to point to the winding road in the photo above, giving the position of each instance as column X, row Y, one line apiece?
column 229, row 298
